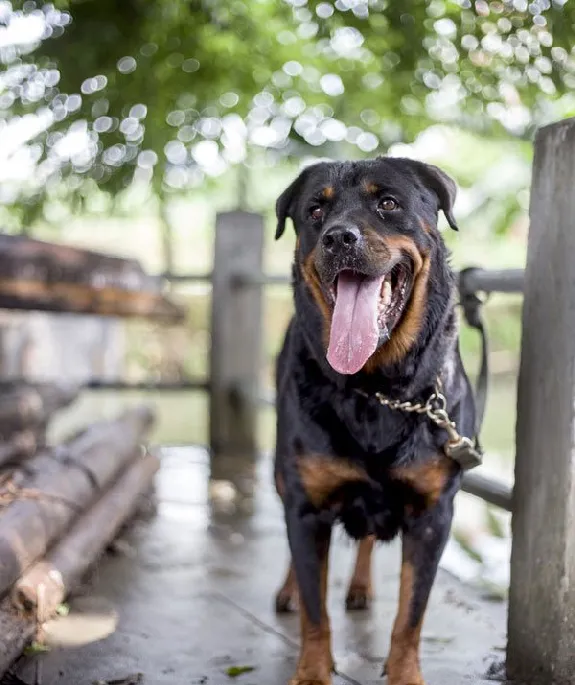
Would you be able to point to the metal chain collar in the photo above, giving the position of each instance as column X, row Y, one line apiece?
column 458, row 447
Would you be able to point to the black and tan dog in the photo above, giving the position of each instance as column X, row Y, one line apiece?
column 374, row 320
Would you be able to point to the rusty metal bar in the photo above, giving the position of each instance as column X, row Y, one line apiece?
column 148, row 386
column 470, row 280
column 474, row 280
column 187, row 278
column 489, row 489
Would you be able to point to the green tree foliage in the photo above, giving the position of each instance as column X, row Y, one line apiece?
column 167, row 92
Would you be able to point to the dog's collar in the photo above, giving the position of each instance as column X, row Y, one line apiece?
column 457, row 447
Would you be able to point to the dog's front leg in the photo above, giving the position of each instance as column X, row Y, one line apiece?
column 309, row 540
column 424, row 539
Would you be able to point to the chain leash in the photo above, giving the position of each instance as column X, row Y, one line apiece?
column 458, row 447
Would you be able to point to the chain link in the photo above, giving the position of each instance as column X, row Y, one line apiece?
column 457, row 446
column 435, row 408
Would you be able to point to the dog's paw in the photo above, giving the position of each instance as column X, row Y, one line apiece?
column 418, row 680
column 287, row 602
column 315, row 672
column 407, row 674
column 358, row 598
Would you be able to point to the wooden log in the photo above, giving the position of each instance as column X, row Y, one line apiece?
column 45, row 585
column 58, row 485
column 36, row 275
column 69, row 560
column 30, row 406
column 21, row 445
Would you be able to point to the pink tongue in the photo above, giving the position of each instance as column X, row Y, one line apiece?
column 354, row 331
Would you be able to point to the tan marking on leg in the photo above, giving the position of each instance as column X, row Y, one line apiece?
column 316, row 663
column 402, row 666
column 360, row 590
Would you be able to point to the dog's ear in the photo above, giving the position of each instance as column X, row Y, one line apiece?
column 443, row 186
column 284, row 208
column 285, row 204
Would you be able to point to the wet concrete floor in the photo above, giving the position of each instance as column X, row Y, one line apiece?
column 188, row 594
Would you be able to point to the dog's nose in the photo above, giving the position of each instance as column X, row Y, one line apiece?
column 340, row 238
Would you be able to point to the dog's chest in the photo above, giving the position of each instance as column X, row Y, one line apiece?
column 376, row 432
column 374, row 508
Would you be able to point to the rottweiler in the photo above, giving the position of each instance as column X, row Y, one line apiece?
column 370, row 354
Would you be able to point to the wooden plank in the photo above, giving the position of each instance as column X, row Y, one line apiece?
column 35, row 275
column 542, row 600
column 235, row 357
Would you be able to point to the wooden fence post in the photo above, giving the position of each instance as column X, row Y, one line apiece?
column 541, row 628
column 236, row 332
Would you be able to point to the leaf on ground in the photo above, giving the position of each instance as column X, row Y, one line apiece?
column 63, row 610
column 494, row 523
column 235, row 671
column 438, row 639
column 467, row 547
column 494, row 593
column 36, row 648
column 134, row 679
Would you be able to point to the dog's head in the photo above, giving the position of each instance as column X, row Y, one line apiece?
column 366, row 242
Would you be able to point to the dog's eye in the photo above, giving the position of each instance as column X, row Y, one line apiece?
column 316, row 213
column 388, row 204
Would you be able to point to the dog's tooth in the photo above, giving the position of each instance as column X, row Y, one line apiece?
column 386, row 294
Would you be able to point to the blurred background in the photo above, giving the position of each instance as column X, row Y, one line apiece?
column 126, row 126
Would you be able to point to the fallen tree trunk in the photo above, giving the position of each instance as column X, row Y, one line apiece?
column 27, row 406
column 37, row 595
column 58, row 485
column 36, row 275
column 45, row 585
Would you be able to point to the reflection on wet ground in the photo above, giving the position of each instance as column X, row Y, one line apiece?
column 188, row 594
